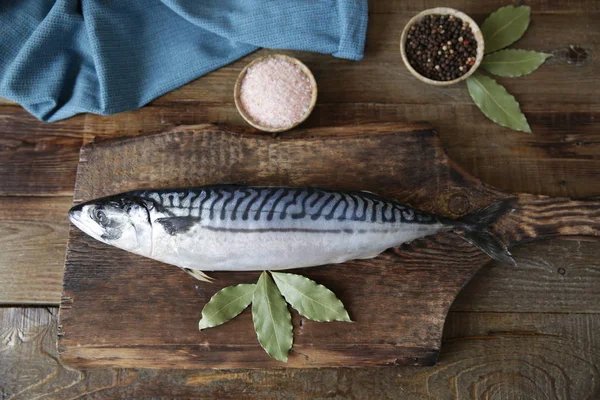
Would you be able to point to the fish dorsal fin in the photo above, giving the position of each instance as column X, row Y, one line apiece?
column 201, row 276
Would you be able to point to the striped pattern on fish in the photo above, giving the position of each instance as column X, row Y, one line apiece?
column 236, row 227
column 272, row 203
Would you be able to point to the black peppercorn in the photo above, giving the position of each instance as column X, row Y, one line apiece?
column 441, row 47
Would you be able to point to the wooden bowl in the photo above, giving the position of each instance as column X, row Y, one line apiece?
column 248, row 118
column 444, row 11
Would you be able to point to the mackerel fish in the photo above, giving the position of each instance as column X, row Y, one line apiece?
column 246, row 228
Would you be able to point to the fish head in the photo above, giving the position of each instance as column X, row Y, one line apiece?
column 120, row 221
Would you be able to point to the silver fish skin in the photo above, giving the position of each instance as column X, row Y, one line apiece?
column 241, row 228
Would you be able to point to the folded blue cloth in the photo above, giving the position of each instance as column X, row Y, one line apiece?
column 59, row 58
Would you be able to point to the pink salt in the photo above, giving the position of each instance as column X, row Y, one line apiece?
column 276, row 93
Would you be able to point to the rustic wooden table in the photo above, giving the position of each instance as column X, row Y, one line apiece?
column 527, row 332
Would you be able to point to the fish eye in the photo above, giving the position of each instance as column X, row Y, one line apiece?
column 100, row 217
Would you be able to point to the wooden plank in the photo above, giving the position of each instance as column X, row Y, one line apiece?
column 552, row 276
column 560, row 158
column 474, row 6
column 33, row 236
column 193, row 156
column 5, row 102
column 37, row 158
column 518, row 355
column 41, row 159
column 506, row 355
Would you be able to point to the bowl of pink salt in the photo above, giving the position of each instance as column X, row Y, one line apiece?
column 275, row 93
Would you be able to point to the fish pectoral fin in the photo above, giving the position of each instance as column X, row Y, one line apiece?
column 175, row 225
column 201, row 276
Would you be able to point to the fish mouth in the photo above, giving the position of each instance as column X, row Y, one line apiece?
column 77, row 218
column 75, row 214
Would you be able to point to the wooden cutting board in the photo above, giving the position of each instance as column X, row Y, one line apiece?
column 122, row 310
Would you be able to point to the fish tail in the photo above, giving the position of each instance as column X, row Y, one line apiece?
column 476, row 230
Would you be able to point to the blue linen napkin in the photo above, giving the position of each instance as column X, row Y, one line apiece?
column 59, row 58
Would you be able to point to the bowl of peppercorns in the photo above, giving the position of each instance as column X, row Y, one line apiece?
column 442, row 46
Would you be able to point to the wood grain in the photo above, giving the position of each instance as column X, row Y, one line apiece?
column 382, row 157
column 33, row 236
column 37, row 158
column 422, row 277
column 553, row 276
column 561, row 157
column 483, row 6
column 495, row 355
column 485, row 355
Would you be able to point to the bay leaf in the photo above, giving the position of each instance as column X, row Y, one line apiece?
column 226, row 304
column 513, row 63
column 496, row 103
column 505, row 26
column 272, row 319
column 310, row 299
